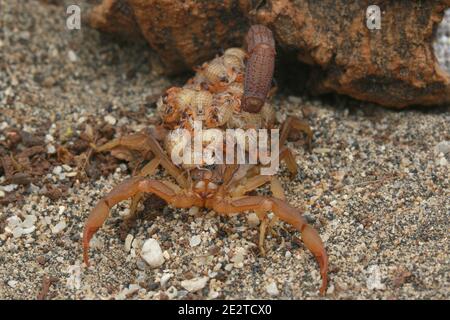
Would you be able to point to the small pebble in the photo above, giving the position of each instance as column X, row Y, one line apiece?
column 373, row 281
column 51, row 149
column 110, row 119
column 272, row 289
column 165, row 278
column 443, row 147
column 172, row 292
column 152, row 254
column 57, row 170
column 195, row 284
column 128, row 242
column 195, row 241
column 10, row 187
column 12, row 283
column 60, row 226
column 253, row 220
column 72, row 56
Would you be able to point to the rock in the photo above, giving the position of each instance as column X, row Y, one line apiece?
column 172, row 292
column 72, row 56
column 29, row 221
column 238, row 256
column 152, row 254
column 272, row 289
column 165, row 278
column 195, row 284
column 212, row 294
column 60, row 226
column 57, row 170
column 127, row 292
column 373, row 281
column 330, row 54
column 253, row 220
column 443, row 147
column 13, row 221
column 128, row 242
column 228, row 267
column 193, row 211
column 67, row 168
column 28, row 230
column 17, row 232
column 186, row 24
column 2, row 193
column 73, row 282
column 10, row 187
column 110, row 119
column 51, row 149
column 12, row 283
column 195, row 241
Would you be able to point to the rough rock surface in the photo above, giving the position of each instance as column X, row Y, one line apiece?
column 393, row 66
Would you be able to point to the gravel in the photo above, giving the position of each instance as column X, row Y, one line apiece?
column 376, row 186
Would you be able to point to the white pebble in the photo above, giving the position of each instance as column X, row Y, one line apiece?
column 195, row 284
column 253, row 220
column 28, row 230
column 272, row 289
column 60, row 226
column 443, row 147
column 73, row 282
column 57, row 170
column 13, row 221
column 17, row 232
column 10, row 187
column 165, row 278
column 2, row 193
column 239, row 255
column 71, row 174
column 152, row 254
column 128, row 242
column 172, row 292
column 49, row 138
column 110, row 119
column 61, row 210
column 195, row 241
column 193, row 211
column 374, row 278
column 72, row 56
column 12, row 283
column 443, row 162
column 229, row 267
column 66, row 167
column 51, row 149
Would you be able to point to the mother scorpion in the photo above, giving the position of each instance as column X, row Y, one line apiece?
column 228, row 92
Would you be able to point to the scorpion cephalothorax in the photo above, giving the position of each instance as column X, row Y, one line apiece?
column 216, row 97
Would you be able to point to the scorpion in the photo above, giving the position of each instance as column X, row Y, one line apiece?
column 228, row 92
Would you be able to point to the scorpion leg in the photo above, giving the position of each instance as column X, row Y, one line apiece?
column 286, row 213
column 297, row 124
column 287, row 156
column 145, row 143
column 126, row 190
column 277, row 190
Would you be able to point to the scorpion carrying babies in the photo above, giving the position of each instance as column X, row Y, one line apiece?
column 226, row 93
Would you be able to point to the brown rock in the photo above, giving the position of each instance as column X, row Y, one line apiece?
column 393, row 66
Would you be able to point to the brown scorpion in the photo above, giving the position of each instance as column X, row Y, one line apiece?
column 228, row 92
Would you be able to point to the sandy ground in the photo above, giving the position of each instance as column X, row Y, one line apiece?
column 376, row 186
